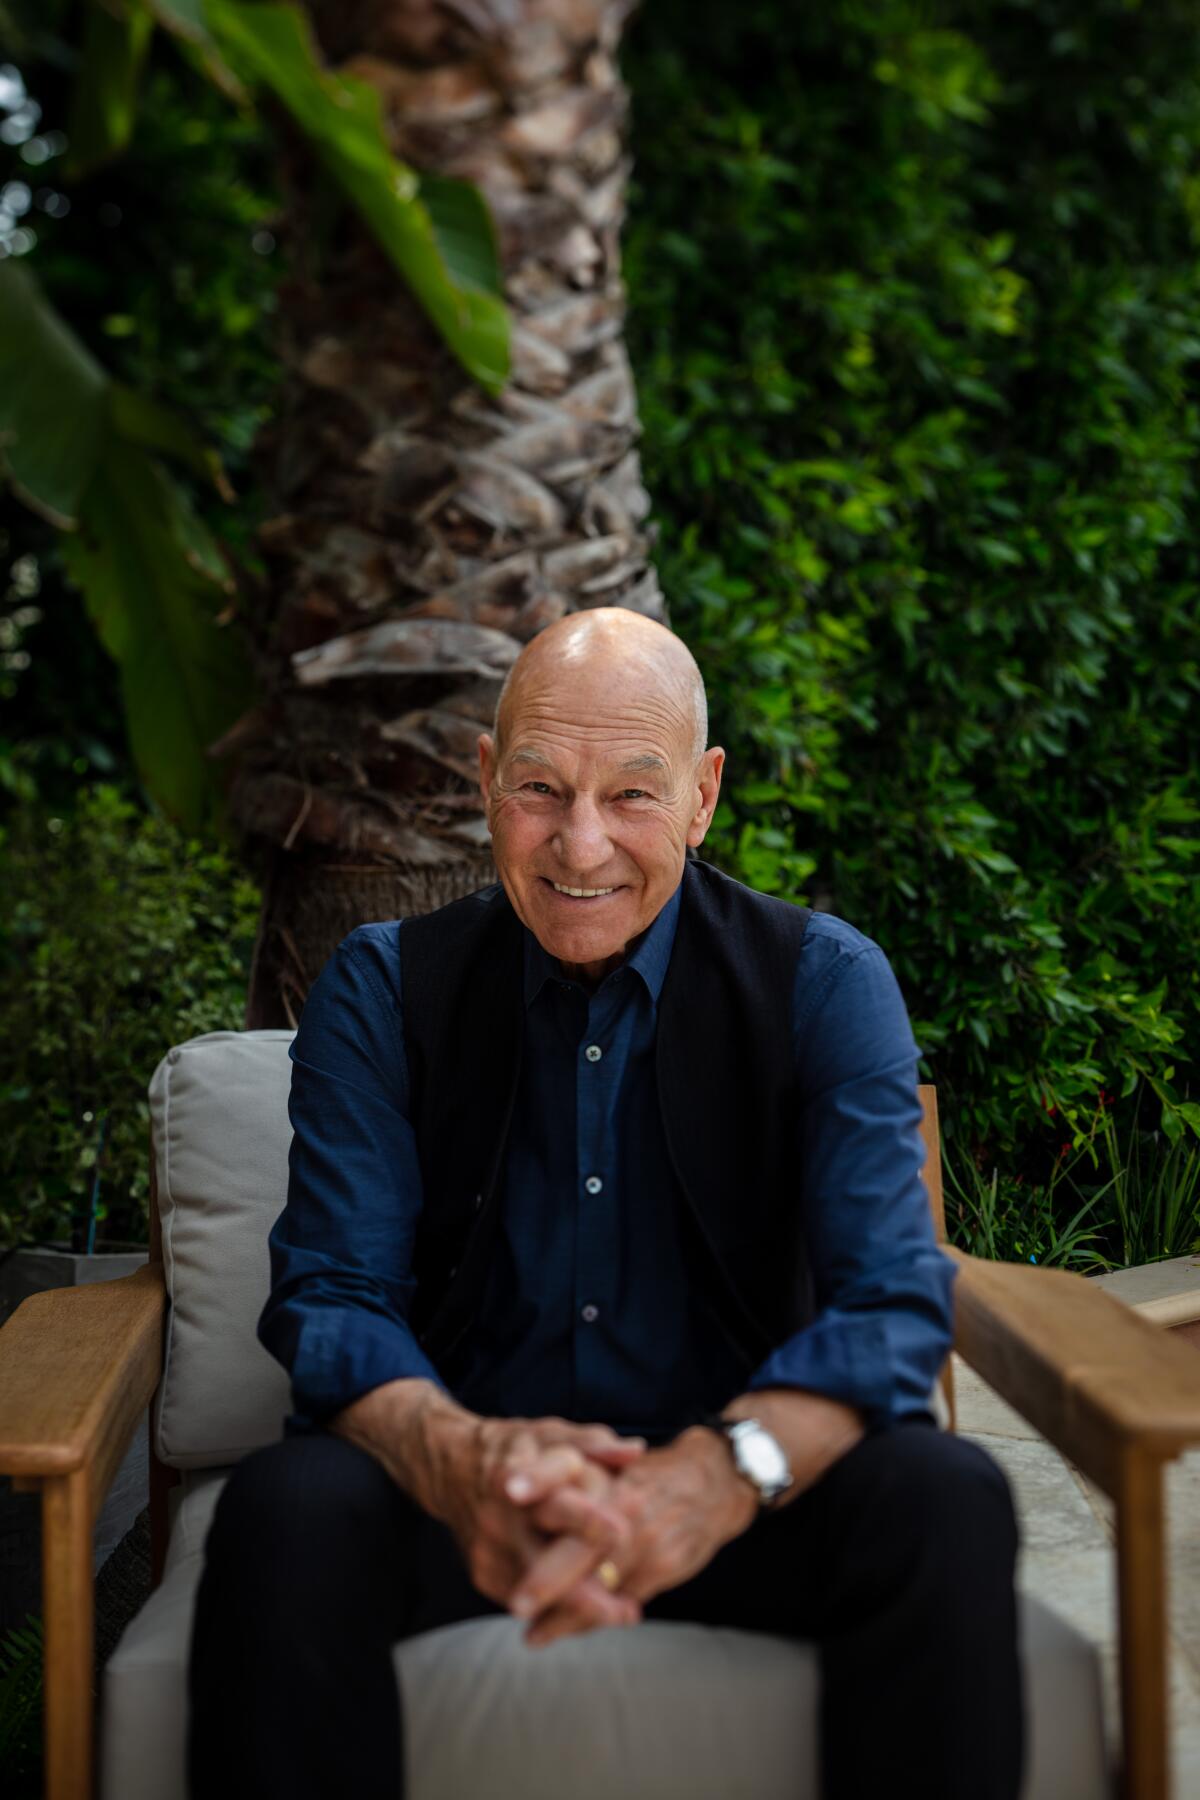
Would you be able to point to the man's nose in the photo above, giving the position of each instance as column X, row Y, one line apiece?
column 583, row 841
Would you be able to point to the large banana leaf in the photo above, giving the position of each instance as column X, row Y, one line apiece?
column 184, row 678
column 78, row 447
column 145, row 422
column 53, row 395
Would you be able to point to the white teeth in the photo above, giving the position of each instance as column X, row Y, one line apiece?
column 580, row 893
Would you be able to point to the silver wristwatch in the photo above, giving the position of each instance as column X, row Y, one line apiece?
column 756, row 1455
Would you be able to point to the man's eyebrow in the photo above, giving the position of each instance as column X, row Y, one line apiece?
column 531, row 756
column 646, row 761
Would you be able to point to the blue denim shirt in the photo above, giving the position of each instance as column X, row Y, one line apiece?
column 588, row 1312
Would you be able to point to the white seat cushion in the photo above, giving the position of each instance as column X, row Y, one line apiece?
column 661, row 1712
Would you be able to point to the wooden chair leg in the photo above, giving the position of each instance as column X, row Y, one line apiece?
column 68, row 1616
column 1141, row 1592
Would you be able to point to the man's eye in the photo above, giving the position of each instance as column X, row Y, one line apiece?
column 538, row 787
column 633, row 793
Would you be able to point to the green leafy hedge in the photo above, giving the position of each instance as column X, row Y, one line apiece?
column 916, row 323
column 118, row 938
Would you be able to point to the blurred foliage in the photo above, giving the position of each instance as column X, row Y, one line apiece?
column 916, row 326
column 118, row 937
column 165, row 261
column 165, row 264
column 21, row 1654
column 60, row 710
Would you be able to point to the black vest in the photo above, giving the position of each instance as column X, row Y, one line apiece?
column 727, row 1090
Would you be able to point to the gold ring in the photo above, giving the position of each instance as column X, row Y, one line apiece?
column 610, row 1575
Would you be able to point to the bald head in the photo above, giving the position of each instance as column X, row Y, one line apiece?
column 604, row 650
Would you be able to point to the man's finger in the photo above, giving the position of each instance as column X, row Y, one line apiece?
column 515, row 1451
column 588, row 1607
column 617, row 1453
column 568, row 1510
column 600, row 1442
column 507, row 1554
column 563, row 1563
column 532, row 1479
column 521, row 1445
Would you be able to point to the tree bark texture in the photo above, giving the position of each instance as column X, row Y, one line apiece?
column 423, row 531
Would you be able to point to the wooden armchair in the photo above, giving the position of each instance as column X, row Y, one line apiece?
column 1119, row 1397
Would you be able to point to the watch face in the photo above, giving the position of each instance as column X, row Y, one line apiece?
column 761, row 1459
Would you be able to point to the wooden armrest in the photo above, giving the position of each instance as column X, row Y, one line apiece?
column 1093, row 1376
column 78, row 1367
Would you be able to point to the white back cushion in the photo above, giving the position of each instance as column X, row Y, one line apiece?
column 219, row 1119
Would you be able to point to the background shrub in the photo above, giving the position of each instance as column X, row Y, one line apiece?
column 118, row 938
column 21, row 1653
column 916, row 326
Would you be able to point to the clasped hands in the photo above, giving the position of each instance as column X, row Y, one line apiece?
column 551, row 1502
column 537, row 1506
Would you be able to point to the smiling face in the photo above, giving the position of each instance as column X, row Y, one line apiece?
column 596, row 784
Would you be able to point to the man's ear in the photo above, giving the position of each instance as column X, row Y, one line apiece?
column 708, row 780
column 487, row 763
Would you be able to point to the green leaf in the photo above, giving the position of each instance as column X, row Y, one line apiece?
column 149, row 591
column 462, row 226
column 997, row 861
column 116, row 38
column 52, row 400
column 1172, row 1124
column 185, row 21
column 142, row 420
column 183, row 18
column 451, row 265
column 1189, row 1112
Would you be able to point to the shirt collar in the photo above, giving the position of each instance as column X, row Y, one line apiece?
column 650, row 958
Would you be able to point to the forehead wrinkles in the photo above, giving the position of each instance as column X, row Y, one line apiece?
column 645, row 722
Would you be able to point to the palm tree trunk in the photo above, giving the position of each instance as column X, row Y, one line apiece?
column 424, row 531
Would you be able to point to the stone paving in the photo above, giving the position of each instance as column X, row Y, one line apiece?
column 1067, row 1557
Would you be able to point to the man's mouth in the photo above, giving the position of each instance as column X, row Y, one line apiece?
column 581, row 893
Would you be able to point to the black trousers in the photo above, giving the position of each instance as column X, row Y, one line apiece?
column 898, row 1564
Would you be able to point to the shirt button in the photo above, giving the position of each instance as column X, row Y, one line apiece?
column 589, row 1314
column 593, row 1053
column 593, row 1184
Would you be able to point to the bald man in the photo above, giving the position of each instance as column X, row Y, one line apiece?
column 607, row 1287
